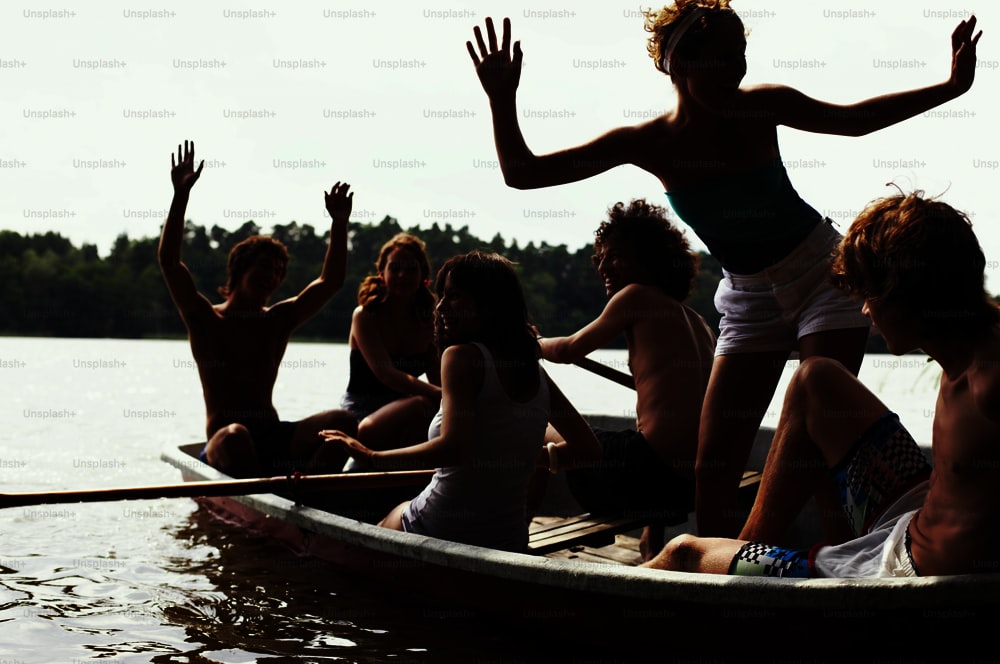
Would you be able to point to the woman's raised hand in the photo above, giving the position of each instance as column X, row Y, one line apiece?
column 498, row 71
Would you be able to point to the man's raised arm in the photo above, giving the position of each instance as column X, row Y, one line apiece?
column 180, row 283
column 314, row 297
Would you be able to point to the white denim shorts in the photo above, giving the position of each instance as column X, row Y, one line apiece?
column 774, row 308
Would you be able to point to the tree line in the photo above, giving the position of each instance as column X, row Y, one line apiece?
column 53, row 288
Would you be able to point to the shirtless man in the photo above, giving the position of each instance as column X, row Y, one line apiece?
column 238, row 344
column 648, row 268
column 919, row 268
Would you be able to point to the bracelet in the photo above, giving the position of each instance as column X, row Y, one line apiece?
column 551, row 447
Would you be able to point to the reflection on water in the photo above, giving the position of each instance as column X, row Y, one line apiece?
column 268, row 601
column 224, row 595
column 160, row 581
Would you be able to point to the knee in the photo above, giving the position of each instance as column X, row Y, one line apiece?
column 364, row 428
column 815, row 371
column 419, row 407
column 340, row 420
column 680, row 554
column 229, row 447
column 232, row 437
column 819, row 381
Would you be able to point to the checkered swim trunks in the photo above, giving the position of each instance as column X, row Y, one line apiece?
column 885, row 463
column 755, row 559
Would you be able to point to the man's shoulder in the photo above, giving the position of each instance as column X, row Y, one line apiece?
column 653, row 304
column 638, row 293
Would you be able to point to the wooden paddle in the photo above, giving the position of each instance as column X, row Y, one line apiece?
column 605, row 371
column 303, row 483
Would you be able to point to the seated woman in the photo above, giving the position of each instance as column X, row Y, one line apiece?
column 487, row 438
column 392, row 345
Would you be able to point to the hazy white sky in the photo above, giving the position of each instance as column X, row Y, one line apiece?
column 283, row 99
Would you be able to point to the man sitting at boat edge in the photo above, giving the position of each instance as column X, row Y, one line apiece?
column 238, row 344
column 648, row 270
column 920, row 270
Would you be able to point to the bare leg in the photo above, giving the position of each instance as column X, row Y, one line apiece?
column 826, row 410
column 848, row 348
column 687, row 553
column 231, row 451
column 394, row 519
column 398, row 424
column 739, row 391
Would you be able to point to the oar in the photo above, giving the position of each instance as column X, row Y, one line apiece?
column 302, row 483
column 605, row 371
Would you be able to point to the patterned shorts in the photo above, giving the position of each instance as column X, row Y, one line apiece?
column 884, row 464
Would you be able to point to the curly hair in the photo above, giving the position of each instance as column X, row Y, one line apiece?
column 505, row 324
column 922, row 255
column 662, row 22
column 372, row 291
column 245, row 253
column 663, row 254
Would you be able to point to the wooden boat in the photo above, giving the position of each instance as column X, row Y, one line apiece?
column 600, row 595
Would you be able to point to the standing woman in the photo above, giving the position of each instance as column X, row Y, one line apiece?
column 716, row 155
column 489, row 435
column 392, row 345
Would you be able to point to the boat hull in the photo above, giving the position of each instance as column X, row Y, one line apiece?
column 629, row 608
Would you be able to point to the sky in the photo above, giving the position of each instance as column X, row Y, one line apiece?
column 284, row 99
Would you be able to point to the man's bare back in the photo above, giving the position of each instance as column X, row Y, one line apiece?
column 238, row 360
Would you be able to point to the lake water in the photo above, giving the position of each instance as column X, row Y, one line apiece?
column 159, row 581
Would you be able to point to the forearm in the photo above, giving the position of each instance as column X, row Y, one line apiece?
column 512, row 151
column 886, row 110
column 334, row 270
column 560, row 350
column 434, row 453
column 172, row 236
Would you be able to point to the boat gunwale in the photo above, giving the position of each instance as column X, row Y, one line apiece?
column 952, row 593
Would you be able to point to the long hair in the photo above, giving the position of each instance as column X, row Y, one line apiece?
column 247, row 252
column 505, row 324
column 372, row 291
column 922, row 255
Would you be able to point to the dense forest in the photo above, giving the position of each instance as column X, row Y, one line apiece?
column 53, row 288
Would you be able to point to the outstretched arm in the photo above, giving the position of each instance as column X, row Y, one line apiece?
column 794, row 109
column 314, row 297
column 461, row 380
column 600, row 332
column 180, row 283
column 500, row 72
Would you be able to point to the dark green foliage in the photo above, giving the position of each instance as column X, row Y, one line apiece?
column 52, row 288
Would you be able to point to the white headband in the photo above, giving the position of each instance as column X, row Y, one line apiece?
column 678, row 34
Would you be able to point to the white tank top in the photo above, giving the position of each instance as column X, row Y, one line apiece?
column 483, row 502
